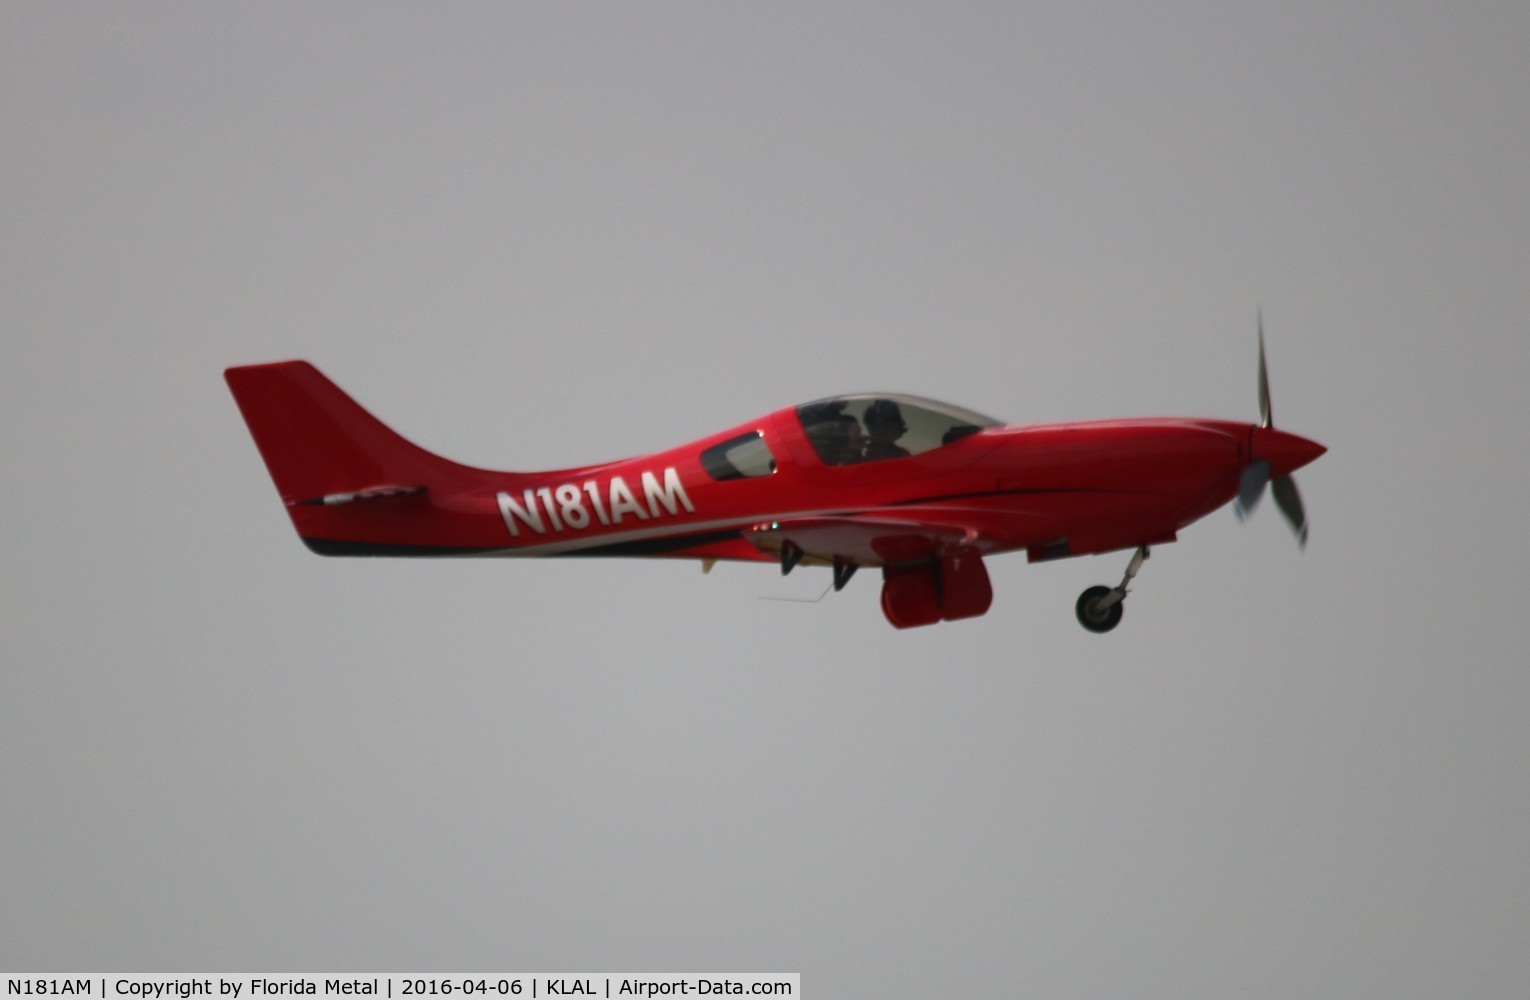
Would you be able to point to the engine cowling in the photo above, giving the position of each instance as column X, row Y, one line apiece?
column 945, row 589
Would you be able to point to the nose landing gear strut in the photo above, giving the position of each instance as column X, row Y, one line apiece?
column 1099, row 608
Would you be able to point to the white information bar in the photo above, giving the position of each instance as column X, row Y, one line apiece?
column 399, row 986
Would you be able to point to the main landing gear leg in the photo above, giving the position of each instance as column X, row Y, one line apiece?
column 1099, row 608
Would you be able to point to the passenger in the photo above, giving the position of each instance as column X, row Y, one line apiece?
column 884, row 426
column 958, row 432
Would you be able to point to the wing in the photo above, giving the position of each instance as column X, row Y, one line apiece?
column 867, row 540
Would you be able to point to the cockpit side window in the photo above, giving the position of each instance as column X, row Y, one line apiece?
column 872, row 428
column 744, row 457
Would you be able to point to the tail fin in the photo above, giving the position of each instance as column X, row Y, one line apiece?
column 320, row 446
column 324, row 452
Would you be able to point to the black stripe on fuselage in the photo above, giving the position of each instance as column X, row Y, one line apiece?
column 640, row 547
column 337, row 547
column 981, row 494
column 656, row 546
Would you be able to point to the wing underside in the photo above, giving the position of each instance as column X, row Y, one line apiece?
column 862, row 541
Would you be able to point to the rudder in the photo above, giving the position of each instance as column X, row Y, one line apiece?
column 317, row 442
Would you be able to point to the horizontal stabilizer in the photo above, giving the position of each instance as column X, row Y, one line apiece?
column 370, row 493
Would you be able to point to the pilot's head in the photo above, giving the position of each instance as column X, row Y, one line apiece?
column 884, row 421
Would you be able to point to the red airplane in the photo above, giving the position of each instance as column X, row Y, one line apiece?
column 920, row 489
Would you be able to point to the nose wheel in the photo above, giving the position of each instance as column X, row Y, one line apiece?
column 1099, row 609
column 1094, row 614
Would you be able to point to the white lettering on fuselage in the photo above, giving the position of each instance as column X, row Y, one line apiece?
column 564, row 506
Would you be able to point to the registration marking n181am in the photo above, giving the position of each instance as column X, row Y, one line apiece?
column 576, row 506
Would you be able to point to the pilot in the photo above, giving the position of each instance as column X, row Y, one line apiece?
column 884, row 426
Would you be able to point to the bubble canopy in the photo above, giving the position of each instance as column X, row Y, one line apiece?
column 872, row 426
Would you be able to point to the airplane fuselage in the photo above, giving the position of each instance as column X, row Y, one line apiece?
column 921, row 489
column 1051, row 489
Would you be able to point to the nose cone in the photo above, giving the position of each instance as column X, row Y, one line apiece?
column 1285, row 452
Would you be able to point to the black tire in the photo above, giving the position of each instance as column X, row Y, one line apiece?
column 1091, row 617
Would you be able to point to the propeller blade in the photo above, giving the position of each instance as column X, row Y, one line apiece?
column 1266, row 418
column 1289, row 500
column 1251, row 488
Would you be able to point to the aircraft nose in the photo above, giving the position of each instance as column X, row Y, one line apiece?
column 1285, row 452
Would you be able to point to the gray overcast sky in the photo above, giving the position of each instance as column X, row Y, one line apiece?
column 542, row 235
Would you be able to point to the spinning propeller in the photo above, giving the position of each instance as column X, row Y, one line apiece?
column 1275, row 454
